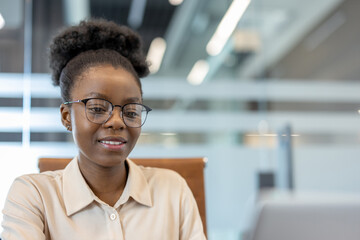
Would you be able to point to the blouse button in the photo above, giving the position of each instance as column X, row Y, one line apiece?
column 113, row 216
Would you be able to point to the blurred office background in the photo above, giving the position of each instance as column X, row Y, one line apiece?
column 280, row 85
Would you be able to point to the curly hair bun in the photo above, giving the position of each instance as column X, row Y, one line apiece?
column 92, row 35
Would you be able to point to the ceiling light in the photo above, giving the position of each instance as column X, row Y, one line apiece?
column 198, row 72
column 2, row 21
column 226, row 26
column 156, row 54
column 175, row 2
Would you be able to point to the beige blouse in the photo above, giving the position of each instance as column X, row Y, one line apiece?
column 155, row 204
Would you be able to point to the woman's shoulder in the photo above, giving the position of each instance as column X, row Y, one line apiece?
column 31, row 189
column 44, row 180
column 41, row 176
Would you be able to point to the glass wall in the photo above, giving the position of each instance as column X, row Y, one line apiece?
column 275, row 105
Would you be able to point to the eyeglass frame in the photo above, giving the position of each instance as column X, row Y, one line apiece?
column 85, row 100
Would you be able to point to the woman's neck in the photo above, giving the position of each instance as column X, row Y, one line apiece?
column 107, row 183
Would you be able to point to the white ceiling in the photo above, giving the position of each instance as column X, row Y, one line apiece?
column 272, row 27
column 277, row 25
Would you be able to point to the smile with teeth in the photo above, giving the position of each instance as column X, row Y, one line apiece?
column 111, row 142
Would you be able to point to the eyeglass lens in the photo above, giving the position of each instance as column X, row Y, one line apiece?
column 99, row 111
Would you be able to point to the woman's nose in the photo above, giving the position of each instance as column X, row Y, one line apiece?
column 115, row 120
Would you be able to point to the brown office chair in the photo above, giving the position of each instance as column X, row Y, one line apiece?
column 191, row 169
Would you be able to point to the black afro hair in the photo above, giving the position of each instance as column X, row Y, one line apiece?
column 96, row 34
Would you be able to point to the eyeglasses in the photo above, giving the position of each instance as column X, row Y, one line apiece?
column 99, row 111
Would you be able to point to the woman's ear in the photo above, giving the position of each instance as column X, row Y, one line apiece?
column 65, row 116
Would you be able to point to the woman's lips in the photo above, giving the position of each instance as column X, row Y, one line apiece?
column 112, row 143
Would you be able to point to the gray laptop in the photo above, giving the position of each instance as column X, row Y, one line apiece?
column 310, row 217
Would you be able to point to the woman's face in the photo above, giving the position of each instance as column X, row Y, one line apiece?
column 110, row 143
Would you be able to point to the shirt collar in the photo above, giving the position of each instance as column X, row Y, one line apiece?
column 136, row 186
column 78, row 195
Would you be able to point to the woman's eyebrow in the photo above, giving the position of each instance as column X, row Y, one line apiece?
column 97, row 95
column 133, row 99
column 103, row 96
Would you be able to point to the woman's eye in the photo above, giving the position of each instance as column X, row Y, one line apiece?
column 97, row 110
column 131, row 114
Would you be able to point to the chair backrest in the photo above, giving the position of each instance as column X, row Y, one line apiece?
column 191, row 169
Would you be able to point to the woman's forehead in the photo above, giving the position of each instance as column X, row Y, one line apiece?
column 107, row 81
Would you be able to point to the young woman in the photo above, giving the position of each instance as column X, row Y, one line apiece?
column 101, row 194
